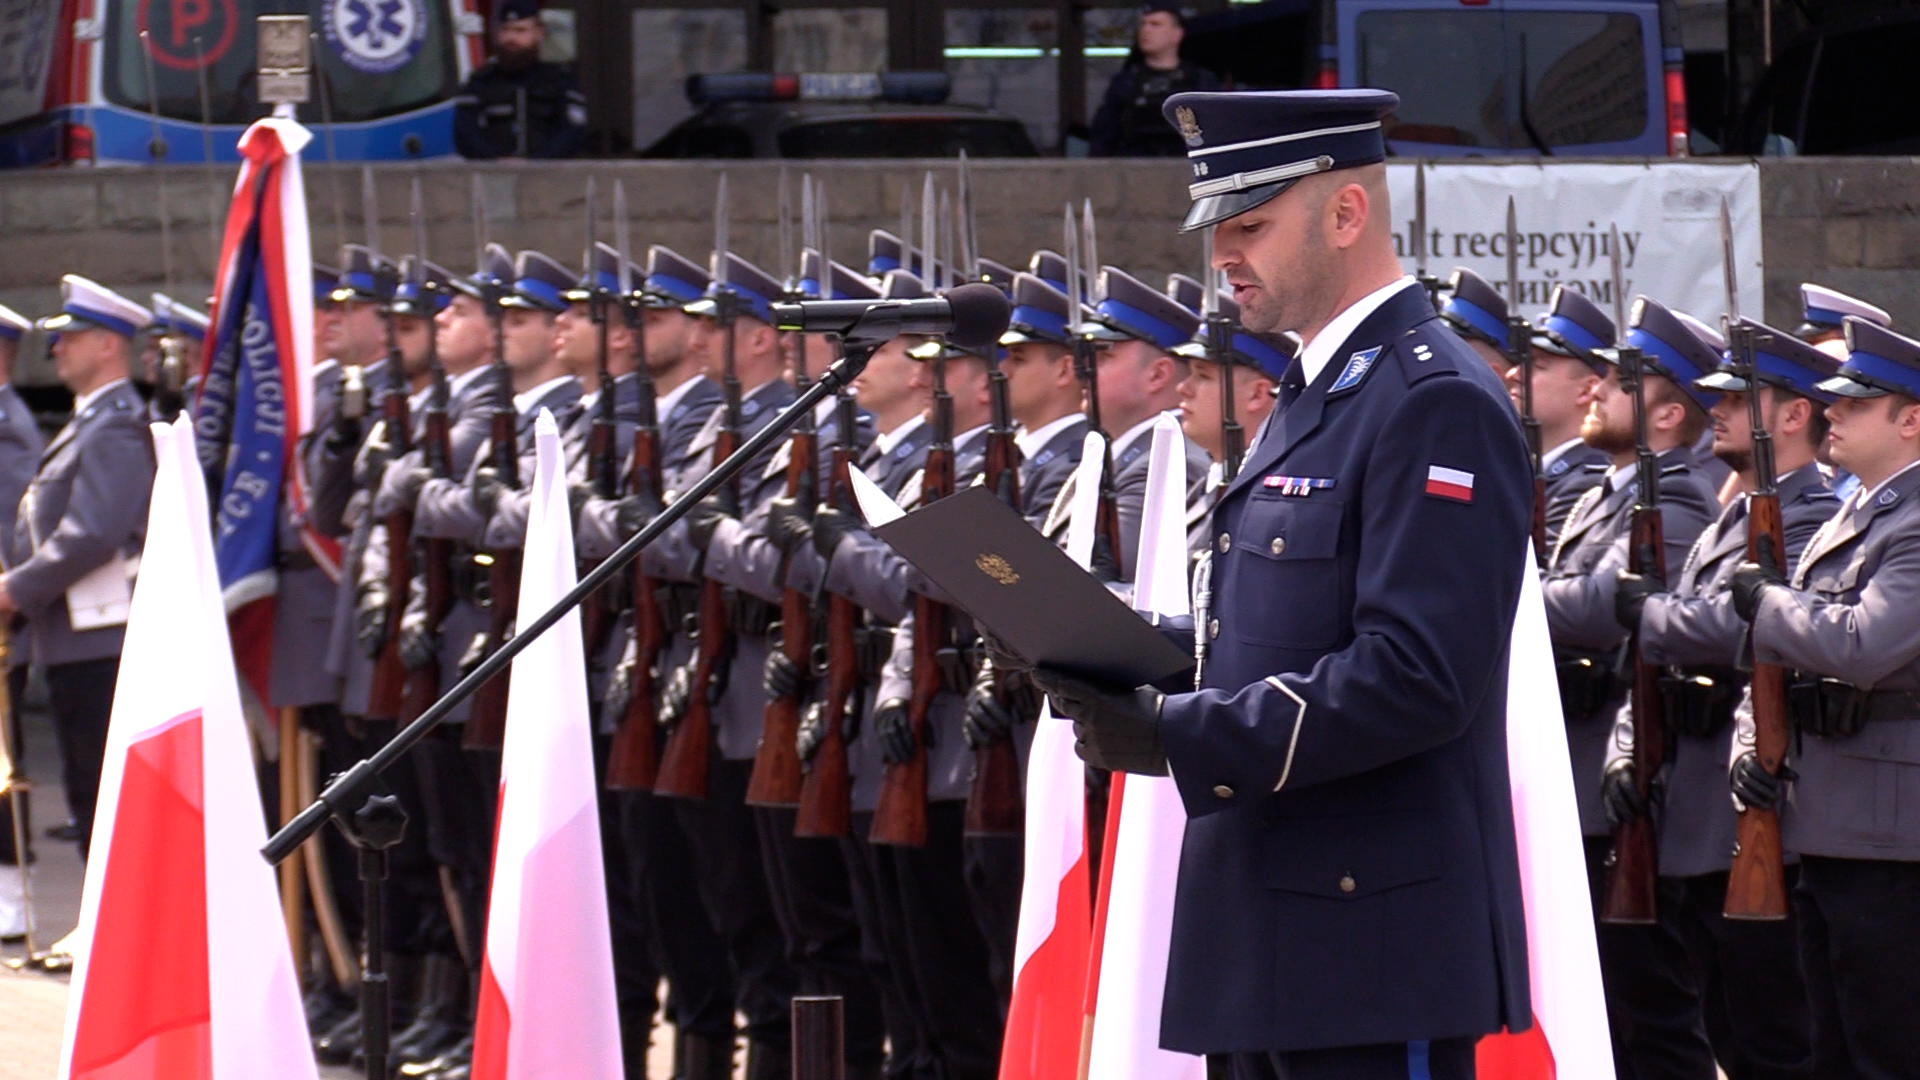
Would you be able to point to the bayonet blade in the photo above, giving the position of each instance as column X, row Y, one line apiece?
column 809, row 227
column 479, row 200
column 969, row 239
column 947, row 232
column 820, row 230
column 623, row 238
column 719, row 270
column 1209, row 297
column 417, row 215
column 929, row 222
column 1727, row 264
column 1619, row 289
column 1513, row 259
column 906, row 225
column 1420, row 218
column 1075, row 288
column 370, row 209
column 785, row 230
column 586, row 250
column 1091, row 263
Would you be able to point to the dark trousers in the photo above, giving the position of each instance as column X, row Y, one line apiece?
column 949, row 957
column 337, row 745
column 1860, row 948
column 417, row 919
column 700, row 983
column 884, row 951
column 1653, row 1000
column 17, row 742
column 1753, row 998
column 636, row 969
column 1440, row 1059
column 995, row 867
column 728, row 872
column 460, row 792
column 80, row 695
column 813, row 903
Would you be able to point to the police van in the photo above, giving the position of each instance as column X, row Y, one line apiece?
column 132, row 82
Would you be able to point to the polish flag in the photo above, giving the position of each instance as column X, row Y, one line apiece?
column 546, row 984
column 188, row 974
column 1153, row 823
column 1051, row 947
column 1569, row 1039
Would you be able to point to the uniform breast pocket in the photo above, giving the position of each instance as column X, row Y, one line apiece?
column 1285, row 582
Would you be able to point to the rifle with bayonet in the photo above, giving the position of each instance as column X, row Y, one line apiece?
column 436, row 447
column 1520, row 355
column 1086, row 360
column 634, row 759
column 597, row 612
column 1233, row 438
column 1636, row 860
column 996, row 805
column 689, row 746
column 389, row 672
column 1757, row 881
column 826, row 806
column 487, row 720
column 775, row 779
column 1420, row 273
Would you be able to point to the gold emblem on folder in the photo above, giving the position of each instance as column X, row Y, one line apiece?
column 997, row 568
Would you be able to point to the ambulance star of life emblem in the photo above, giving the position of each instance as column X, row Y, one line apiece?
column 1189, row 127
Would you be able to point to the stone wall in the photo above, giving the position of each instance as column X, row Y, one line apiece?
column 1852, row 223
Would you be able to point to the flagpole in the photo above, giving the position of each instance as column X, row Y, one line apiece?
column 293, row 899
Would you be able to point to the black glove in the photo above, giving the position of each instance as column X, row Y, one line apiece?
column 674, row 696
column 782, row 678
column 987, row 719
column 895, row 731
column 345, row 433
column 486, row 490
column 1750, row 581
column 830, row 526
column 419, row 646
column 370, row 620
column 632, row 513
column 1630, row 592
column 1756, row 788
column 619, row 694
column 811, row 732
column 1620, row 794
column 1104, row 562
column 1001, row 656
column 789, row 524
column 1112, row 729
column 707, row 514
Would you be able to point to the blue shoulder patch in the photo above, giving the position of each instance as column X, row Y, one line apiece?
column 1357, row 367
column 1559, row 467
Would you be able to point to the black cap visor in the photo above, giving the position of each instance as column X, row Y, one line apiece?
column 1854, row 386
column 1214, row 209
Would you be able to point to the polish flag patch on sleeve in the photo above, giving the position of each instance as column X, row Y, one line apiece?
column 1445, row 483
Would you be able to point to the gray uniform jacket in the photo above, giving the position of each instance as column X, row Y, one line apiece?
column 87, row 501
column 1854, row 614
column 446, row 510
column 1569, row 477
column 1042, row 475
column 303, row 604
column 21, row 445
column 1695, row 626
column 597, row 534
column 1578, row 590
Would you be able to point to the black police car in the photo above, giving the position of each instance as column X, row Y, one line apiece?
column 867, row 115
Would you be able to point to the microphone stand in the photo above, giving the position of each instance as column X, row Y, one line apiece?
column 343, row 794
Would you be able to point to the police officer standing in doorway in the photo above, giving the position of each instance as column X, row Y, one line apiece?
column 1128, row 123
column 518, row 105
column 1349, row 844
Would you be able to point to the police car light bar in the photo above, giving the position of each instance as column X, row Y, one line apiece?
column 900, row 87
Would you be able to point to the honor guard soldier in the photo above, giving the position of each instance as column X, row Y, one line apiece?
column 21, row 445
column 181, row 335
column 1137, row 334
column 1742, row 984
column 80, row 527
column 518, row 105
column 1478, row 313
column 1260, row 361
column 1842, row 626
column 690, row 951
column 1825, row 311
column 1566, row 367
column 1579, row 588
column 1349, row 843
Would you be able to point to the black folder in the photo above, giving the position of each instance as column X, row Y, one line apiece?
column 1035, row 599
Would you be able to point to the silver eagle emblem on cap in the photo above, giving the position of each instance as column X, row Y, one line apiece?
column 1189, row 127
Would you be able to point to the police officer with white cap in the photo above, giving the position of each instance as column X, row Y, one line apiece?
column 20, row 447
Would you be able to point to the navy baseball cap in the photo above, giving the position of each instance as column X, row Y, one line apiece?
column 1671, row 349
column 1475, row 309
column 1040, row 313
column 539, row 284
column 1248, row 146
column 495, row 272
column 1574, row 326
column 673, row 280
column 1783, row 362
column 754, row 288
column 1825, row 310
column 1131, row 309
column 1879, row 362
column 1270, row 354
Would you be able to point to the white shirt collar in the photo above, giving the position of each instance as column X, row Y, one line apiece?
column 459, row 383
column 1127, row 437
column 417, row 400
column 664, row 404
column 1559, row 452
column 81, row 403
column 1032, row 442
column 885, row 441
column 823, row 410
column 1315, row 355
column 527, row 399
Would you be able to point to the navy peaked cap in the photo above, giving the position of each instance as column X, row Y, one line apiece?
column 539, row 284
column 1130, row 308
column 1574, row 326
column 1671, row 348
column 1879, row 362
column 1783, row 361
column 1040, row 313
column 1245, row 147
column 754, row 289
column 673, row 280
column 1475, row 308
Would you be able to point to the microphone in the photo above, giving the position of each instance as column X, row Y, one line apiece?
column 970, row 316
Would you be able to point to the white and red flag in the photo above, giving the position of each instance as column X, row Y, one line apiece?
column 546, row 985
column 187, row 973
column 1569, row 1039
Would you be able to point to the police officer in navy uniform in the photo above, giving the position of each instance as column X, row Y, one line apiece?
column 1128, row 122
column 1843, row 625
column 1745, row 983
column 1642, row 970
column 80, row 524
column 1349, row 900
column 518, row 105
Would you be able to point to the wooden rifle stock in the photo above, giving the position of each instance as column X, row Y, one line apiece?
column 487, row 723
column 689, row 746
column 1539, row 515
column 775, row 780
column 995, row 804
column 826, row 790
column 1757, row 881
column 389, row 674
column 596, row 614
column 423, row 684
column 634, row 759
column 1636, row 859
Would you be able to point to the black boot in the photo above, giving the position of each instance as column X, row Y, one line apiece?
column 702, row 1057
column 440, row 1020
column 765, row 1062
column 338, row 1044
column 457, row 1056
